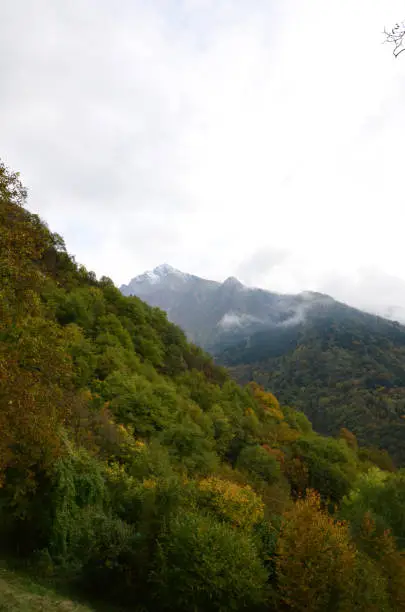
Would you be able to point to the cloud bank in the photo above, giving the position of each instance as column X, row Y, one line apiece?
column 260, row 139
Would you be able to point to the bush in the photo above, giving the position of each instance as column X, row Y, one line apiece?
column 259, row 462
column 236, row 504
column 331, row 465
column 204, row 565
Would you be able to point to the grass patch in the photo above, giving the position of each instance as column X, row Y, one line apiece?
column 18, row 593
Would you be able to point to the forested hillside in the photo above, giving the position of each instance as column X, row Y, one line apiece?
column 133, row 468
column 343, row 368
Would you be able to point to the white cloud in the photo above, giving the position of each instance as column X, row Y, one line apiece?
column 232, row 320
column 261, row 139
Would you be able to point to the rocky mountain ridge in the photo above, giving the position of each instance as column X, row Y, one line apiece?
column 212, row 312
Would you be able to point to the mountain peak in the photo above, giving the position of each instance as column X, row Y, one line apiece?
column 232, row 281
column 159, row 274
column 165, row 269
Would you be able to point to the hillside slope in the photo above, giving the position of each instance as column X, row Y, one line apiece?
column 341, row 366
column 132, row 467
column 343, row 369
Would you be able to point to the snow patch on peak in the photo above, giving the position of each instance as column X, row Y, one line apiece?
column 164, row 270
column 150, row 276
column 158, row 274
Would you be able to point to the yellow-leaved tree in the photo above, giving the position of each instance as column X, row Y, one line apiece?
column 236, row 504
column 314, row 557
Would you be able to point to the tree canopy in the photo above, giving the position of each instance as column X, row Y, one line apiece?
column 132, row 466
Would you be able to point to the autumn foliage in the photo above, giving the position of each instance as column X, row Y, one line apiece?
column 132, row 467
column 315, row 556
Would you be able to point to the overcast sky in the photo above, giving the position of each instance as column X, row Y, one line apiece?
column 255, row 138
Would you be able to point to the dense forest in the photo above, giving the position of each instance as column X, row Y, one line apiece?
column 134, row 468
column 341, row 367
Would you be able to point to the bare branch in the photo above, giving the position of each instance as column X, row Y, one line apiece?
column 396, row 36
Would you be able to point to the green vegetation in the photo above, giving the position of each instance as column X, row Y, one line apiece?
column 342, row 368
column 20, row 594
column 134, row 469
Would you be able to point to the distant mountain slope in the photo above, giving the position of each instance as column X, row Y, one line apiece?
column 343, row 369
column 213, row 313
column 341, row 366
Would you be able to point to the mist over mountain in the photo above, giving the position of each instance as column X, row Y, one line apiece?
column 212, row 313
column 341, row 366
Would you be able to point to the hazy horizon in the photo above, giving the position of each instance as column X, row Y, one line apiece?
column 260, row 140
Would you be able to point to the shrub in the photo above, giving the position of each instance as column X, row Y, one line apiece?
column 204, row 565
column 259, row 462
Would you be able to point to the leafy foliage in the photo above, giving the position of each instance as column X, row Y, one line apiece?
column 343, row 368
column 132, row 466
column 315, row 558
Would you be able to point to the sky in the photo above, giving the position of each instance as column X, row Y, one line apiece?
column 261, row 139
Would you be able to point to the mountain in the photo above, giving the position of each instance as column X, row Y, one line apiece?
column 212, row 313
column 342, row 367
column 135, row 470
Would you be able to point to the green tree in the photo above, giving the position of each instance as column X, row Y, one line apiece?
column 259, row 462
column 205, row 565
